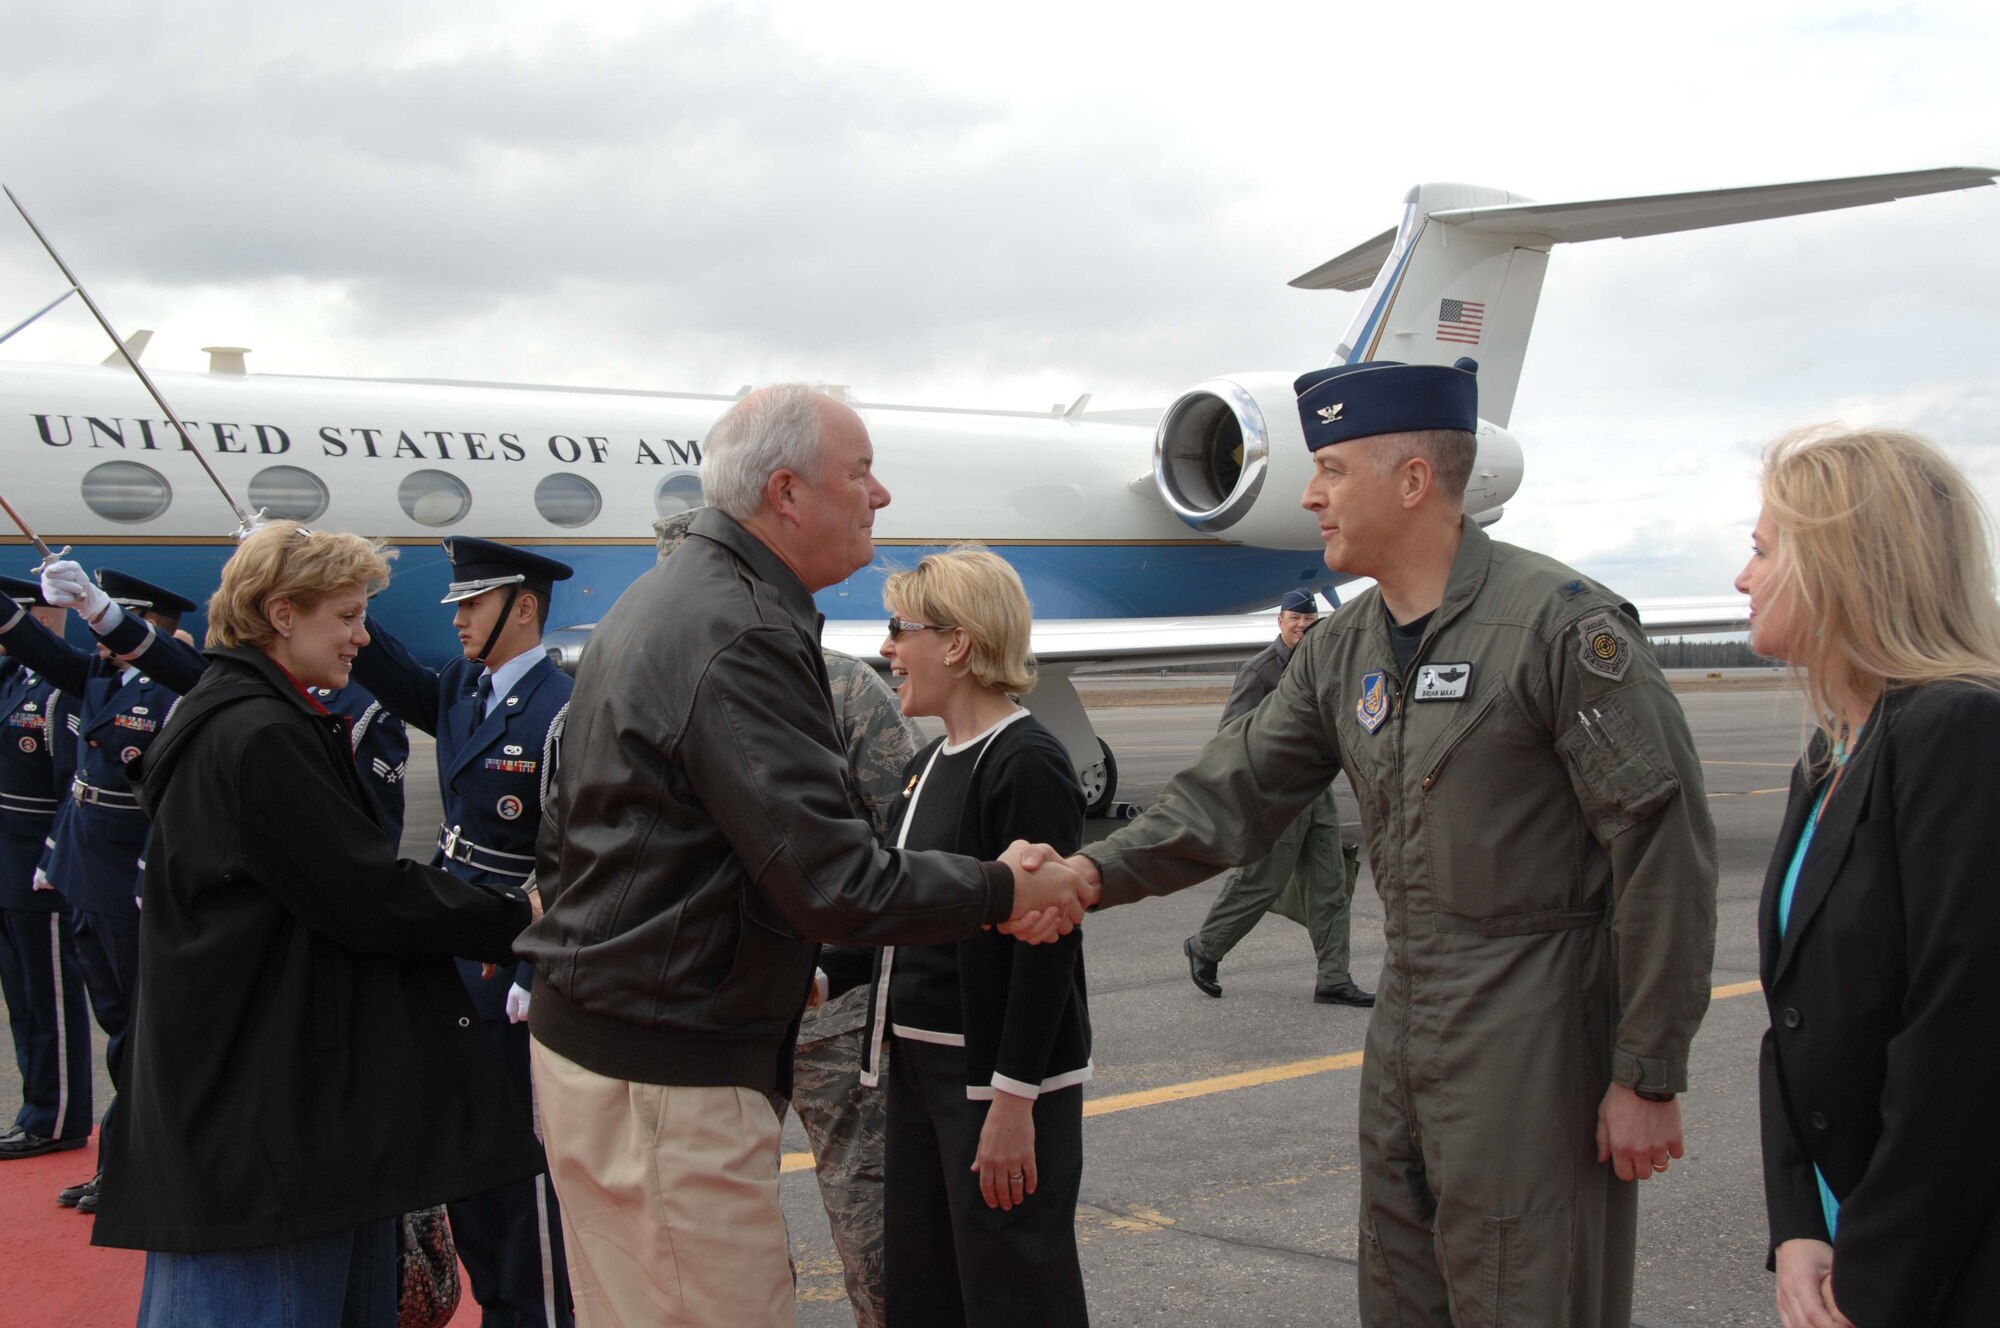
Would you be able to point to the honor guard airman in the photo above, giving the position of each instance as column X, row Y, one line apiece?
column 381, row 745
column 1536, row 821
column 124, row 694
column 497, row 715
column 47, row 1010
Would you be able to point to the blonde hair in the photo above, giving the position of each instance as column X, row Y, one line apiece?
column 1884, row 551
column 284, row 560
column 974, row 589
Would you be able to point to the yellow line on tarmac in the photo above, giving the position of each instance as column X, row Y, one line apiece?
column 1229, row 1083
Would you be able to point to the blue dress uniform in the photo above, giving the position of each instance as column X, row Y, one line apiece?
column 496, row 753
column 100, row 832
column 381, row 745
column 47, row 1010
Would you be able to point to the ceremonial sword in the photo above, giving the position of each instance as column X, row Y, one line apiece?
column 246, row 520
column 48, row 555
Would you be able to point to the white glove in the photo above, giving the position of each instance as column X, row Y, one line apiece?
column 517, row 1004
column 67, row 586
column 42, row 882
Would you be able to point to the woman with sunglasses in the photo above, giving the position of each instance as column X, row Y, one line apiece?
column 991, row 1039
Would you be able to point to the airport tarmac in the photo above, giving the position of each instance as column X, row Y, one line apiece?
column 1219, row 1183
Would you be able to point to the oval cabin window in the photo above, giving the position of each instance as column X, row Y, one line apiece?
column 433, row 498
column 567, row 500
column 679, row 493
column 126, row 491
column 288, row 491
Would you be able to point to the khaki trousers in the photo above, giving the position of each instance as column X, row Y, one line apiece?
column 669, row 1199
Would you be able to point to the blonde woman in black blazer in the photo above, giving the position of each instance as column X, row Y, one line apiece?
column 1879, row 926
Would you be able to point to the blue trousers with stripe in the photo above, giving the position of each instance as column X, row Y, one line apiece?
column 49, row 1015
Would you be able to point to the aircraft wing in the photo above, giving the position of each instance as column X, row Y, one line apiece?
column 1084, row 644
column 1694, row 615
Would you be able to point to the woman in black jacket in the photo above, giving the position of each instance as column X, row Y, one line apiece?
column 991, row 1038
column 1880, row 920
column 305, row 1063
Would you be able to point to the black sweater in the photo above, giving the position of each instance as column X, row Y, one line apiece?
column 1021, row 1009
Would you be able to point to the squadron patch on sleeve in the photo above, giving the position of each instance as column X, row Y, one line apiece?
column 1606, row 647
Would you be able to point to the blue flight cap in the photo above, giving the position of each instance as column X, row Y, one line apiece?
column 478, row 566
column 1298, row 601
column 1352, row 401
column 27, row 594
column 129, row 592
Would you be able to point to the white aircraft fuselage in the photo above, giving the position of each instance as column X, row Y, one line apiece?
column 582, row 475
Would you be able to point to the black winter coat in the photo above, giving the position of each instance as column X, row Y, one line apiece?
column 304, row 1058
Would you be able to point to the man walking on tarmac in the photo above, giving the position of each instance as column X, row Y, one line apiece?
column 1309, row 852
column 1538, row 829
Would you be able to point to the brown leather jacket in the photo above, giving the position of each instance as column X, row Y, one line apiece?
column 705, row 832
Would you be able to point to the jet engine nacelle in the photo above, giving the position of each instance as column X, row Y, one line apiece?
column 1230, row 459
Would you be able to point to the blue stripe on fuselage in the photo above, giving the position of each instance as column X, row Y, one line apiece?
column 1063, row 581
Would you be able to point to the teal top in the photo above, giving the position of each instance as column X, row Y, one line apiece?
column 1829, row 1205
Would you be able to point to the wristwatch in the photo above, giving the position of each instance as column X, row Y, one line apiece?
column 1646, row 1095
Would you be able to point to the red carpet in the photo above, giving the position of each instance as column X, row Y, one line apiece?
column 50, row 1273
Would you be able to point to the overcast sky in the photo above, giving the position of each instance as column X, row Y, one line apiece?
column 1005, row 207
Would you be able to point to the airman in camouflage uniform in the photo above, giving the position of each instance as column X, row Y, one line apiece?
column 1539, row 834
column 843, row 1120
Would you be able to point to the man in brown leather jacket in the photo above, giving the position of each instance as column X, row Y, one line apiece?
column 1540, row 836
column 704, row 835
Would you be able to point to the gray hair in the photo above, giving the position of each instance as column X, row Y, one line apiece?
column 1449, row 453
column 777, row 427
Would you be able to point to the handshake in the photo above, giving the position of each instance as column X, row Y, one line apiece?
column 1051, row 892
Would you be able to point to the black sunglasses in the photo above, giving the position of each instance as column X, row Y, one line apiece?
column 898, row 626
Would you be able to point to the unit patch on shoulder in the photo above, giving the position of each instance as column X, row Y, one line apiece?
column 1571, row 589
column 1372, row 707
column 1442, row 682
column 1606, row 648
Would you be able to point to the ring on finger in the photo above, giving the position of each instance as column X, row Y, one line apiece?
column 1659, row 1166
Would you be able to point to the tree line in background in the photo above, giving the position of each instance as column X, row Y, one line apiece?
column 1679, row 654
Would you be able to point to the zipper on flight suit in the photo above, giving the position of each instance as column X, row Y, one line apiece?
column 1445, row 756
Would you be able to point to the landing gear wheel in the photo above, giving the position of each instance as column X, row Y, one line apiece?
column 1100, row 783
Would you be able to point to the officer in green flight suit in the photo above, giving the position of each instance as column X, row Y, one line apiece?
column 1540, row 837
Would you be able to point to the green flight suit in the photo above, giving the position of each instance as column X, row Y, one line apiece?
column 1540, row 837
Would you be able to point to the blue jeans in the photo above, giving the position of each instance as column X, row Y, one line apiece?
column 346, row 1280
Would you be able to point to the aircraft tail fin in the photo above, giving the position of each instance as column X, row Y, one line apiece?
column 136, row 343
column 1462, row 273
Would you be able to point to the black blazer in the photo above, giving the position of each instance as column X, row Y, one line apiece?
column 1881, row 1064
column 304, row 1058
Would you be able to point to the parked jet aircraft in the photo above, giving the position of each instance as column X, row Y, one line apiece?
column 1139, row 539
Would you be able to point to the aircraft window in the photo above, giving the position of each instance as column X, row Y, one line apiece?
column 126, row 491
column 288, row 491
column 433, row 498
column 567, row 500
column 678, row 493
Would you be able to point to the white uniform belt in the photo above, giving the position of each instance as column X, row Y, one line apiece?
column 460, row 849
column 109, row 798
column 22, row 804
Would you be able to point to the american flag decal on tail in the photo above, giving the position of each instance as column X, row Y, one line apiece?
column 1460, row 321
